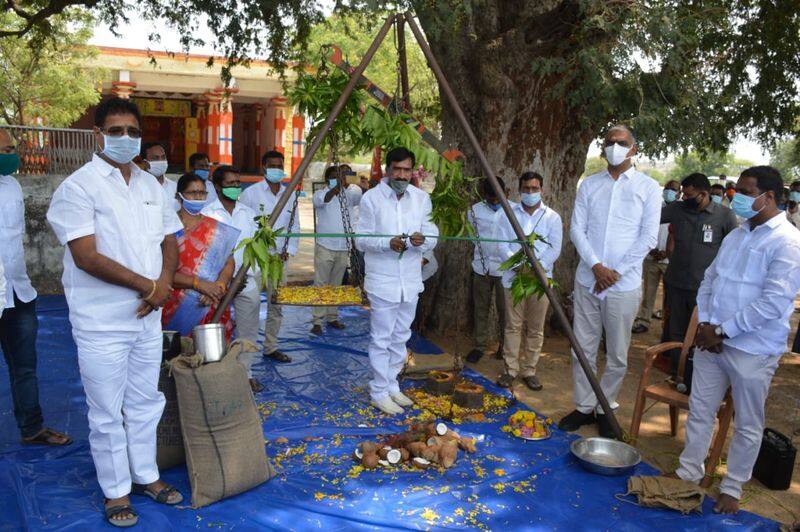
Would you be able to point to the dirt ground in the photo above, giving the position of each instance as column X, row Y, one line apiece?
column 658, row 447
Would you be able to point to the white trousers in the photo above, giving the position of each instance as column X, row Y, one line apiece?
column 272, row 325
column 329, row 268
column 246, row 307
column 119, row 371
column 390, row 329
column 749, row 377
column 615, row 315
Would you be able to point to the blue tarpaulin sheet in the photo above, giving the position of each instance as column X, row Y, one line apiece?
column 509, row 484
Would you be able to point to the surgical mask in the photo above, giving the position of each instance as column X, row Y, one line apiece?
column 669, row 195
column 398, row 185
column 232, row 193
column 529, row 199
column 793, row 196
column 9, row 163
column 494, row 206
column 193, row 206
column 332, row 183
column 274, row 175
column 717, row 199
column 616, row 154
column 158, row 168
column 202, row 173
column 122, row 149
column 743, row 205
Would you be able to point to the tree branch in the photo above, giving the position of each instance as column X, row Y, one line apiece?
column 35, row 18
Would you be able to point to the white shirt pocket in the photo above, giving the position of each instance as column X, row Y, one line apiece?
column 11, row 216
column 153, row 219
column 755, row 267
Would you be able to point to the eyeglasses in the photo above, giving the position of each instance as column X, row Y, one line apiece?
column 624, row 143
column 118, row 131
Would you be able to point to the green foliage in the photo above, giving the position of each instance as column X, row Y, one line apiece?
column 594, row 165
column 525, row 283
column 785, row 156
column 45, row 75
column 711, row 164
column 260, row 253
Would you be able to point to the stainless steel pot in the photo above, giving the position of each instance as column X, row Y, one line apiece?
column 209, row 341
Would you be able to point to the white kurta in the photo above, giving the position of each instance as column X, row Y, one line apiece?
column 12, row 254
column 545, row 222
column 119, row 355
column 393, row 282
column 484, row 220
column 260, row 198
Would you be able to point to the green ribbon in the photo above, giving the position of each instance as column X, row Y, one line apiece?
column 378, row 235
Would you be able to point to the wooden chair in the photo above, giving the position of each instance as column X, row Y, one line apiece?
column 666, row 392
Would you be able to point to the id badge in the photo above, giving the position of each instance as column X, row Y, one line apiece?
column 708, row 235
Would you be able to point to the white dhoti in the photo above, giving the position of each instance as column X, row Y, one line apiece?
column 614, row 314
column 329, row 268
column 119, row 371
column 390, row 329
column 749, row 377
column 246, row 307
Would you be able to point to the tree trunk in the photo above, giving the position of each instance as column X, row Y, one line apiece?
column 519, row 124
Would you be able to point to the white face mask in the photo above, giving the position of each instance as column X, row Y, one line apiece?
column 616, row 154
column 158, row 168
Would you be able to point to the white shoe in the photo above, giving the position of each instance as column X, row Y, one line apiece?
column 401, row 399
column 387, row 406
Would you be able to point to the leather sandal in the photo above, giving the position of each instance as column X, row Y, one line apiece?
column 113, row 511
column 46, row 437
column 167, row 495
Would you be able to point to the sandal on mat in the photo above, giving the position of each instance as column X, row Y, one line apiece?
column 168, row 494
column 113, row 511
column 47, row 437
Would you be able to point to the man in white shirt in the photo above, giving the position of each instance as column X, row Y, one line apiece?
column 18, row 319
column 331, row 256
column 120, row 258
column 485, row 270
column 614, row 226
column 393, row 271
column 529, row 314
column 743, row 305
column 262, row 198
column 200, row 165
column 655, row 264
column 247, row 303
column 154, row 161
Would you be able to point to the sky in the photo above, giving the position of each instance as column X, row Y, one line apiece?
column 135, row 35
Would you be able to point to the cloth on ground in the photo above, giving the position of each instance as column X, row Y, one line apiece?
column 664, row 492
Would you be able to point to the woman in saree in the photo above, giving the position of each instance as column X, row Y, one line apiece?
column 205, row 263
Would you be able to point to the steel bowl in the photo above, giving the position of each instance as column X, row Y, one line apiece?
column 605, row 456
column 209, row 341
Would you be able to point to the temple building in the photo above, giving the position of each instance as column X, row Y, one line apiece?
column 185, row 106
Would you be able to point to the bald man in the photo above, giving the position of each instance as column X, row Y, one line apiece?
column 18, row 321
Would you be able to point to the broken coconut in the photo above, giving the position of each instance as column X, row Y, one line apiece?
column 421, row 463
column 358, row 455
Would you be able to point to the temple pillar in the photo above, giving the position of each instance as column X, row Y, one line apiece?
column 298, row 124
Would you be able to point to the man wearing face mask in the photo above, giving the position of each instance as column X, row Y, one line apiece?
column 614, row 226
column 698, row 227
column 330, row 253
column 744, row 304
column 393, row 271
column 529, row 314
column 486, row 274
column 120, row 258
column 717, row 194
column 18, row 319
column 261, row 198
column 154, row 159
column 247, row 303
column 201, row 166
column 793, row 210
column 654, row 266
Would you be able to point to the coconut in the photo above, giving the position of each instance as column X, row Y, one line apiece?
column 421, row 463
column 394, row 456
column 358, row 455
column 370, row 461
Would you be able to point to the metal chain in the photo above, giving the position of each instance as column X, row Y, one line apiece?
column 478, row 243
column 347, row 225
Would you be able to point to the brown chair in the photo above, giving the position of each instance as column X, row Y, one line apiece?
column 666, row 392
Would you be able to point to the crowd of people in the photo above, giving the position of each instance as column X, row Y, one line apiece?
column 144, row 254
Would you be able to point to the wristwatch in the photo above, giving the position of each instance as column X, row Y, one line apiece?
column 719, row 332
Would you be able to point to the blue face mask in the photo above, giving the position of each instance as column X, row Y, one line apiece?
column 743, row 205
column 193, row 206
column 670, row 195
column 529, row 199
column 332, row 183
column 201, row 173
column 274, row 175
column 122, row 149
column 717, row 199
column 794, row 196
column 494, row 206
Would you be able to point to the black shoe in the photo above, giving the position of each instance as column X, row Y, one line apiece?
column 575, row 420
column 316, row 330
column 474, row 356
column 277, row 356
column 532, row 382
column 505, row 381
column 336, row 324
column 639, row 328
column 604, row 427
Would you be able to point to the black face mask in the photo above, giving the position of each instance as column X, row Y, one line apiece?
column 691, row 203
